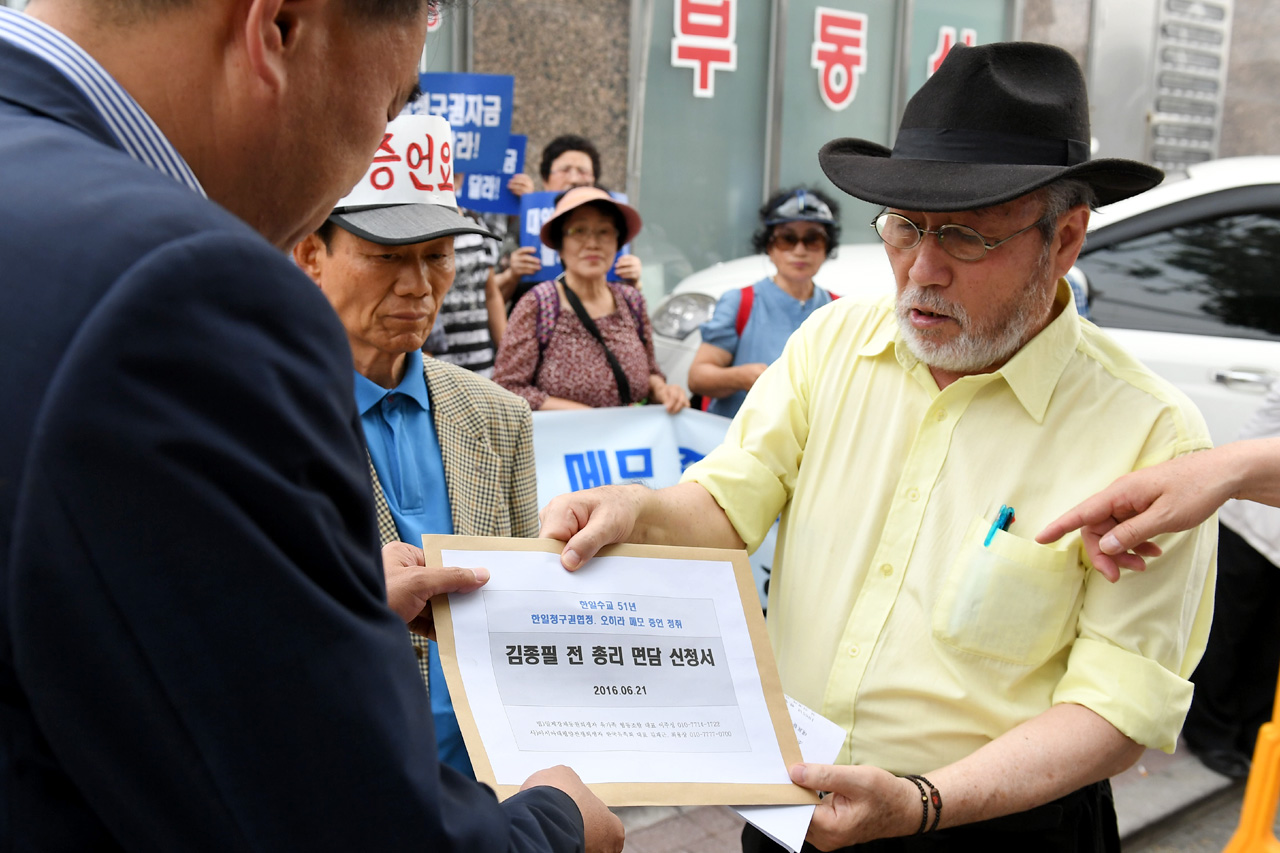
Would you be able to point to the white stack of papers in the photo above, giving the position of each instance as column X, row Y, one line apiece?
column 820, row 742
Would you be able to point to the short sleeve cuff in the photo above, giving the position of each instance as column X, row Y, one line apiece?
column 1137, row 695
column 743, row 487
column 720, row 331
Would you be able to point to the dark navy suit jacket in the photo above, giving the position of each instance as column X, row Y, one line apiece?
column 195, row 649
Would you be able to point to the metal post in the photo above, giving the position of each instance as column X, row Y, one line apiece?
column 901, row 71
column 1013, row 16
column 773, row 98
column 463, row 44
column 641, row 43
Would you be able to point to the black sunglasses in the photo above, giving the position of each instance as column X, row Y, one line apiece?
column 786, row 240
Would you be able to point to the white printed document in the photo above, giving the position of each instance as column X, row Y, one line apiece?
column 820, row 742
column 643, row 671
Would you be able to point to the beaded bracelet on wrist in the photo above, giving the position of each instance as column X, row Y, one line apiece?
column 934, row 797
column 924, row 803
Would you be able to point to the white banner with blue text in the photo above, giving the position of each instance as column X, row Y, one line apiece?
column 583, row 449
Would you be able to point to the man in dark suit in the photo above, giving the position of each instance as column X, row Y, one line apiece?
column 449, row 451
column 196, row 651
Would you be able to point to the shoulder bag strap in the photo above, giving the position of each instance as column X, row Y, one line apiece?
column 548, row 313
column 631, row 296
column 624, row 387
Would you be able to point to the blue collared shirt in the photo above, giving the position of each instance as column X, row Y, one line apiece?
column 132, row 128
column 402, row 441
column 775, row 314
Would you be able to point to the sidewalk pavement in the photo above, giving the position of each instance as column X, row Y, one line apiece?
column 1157, row 787
column 1161, row 785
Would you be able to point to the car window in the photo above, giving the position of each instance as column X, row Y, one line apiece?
column 1218, row 276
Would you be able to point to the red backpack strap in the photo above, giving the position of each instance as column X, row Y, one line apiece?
column 744, row 308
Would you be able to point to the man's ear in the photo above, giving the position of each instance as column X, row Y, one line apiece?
column 307, row 255
column 270, row 30
column 1069, row 239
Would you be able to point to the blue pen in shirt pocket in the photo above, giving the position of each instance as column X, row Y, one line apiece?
column 1003, row 519
column 1008, row 598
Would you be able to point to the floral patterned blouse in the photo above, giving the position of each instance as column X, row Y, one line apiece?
column 573, row 364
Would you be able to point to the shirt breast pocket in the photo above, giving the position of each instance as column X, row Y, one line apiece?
column 1010, row 600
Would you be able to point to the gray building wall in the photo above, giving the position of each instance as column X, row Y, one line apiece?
column 1061, row 22
column 1251, row 114
column 571, row 64
column 570, row 61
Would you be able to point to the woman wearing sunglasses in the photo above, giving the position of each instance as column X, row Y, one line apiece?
column 799, row 229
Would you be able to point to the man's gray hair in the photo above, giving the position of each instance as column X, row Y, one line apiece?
column 1059, row 197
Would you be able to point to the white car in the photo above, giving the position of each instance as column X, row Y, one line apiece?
column 1186, row 277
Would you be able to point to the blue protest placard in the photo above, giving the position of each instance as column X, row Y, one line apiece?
column 478, row 108
column 535, row 210
column 487, row 192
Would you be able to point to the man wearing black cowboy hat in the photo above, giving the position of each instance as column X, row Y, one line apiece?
column 914, row 446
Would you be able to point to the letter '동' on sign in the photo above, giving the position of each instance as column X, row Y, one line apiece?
column 839, row 54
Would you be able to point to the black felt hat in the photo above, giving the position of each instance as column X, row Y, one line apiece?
column 993, row 123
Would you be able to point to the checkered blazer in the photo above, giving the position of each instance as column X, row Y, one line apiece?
column 486, row 443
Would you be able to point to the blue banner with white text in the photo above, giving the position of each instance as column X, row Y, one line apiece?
column 478, row 108
column 487, row 192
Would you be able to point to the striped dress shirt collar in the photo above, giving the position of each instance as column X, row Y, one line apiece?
column 132, row 128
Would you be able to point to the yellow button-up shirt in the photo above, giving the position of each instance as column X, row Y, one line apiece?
column 888, row 611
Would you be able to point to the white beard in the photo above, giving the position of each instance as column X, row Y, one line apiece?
column 977, row 346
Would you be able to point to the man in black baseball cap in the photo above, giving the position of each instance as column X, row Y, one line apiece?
column 914, row 445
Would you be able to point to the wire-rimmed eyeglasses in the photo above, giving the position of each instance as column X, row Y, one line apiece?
column 958, row 241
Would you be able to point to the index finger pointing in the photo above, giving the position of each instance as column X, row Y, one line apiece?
column 1060, row 527
column 1095, row 510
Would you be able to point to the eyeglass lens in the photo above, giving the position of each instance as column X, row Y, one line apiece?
column 958, row 241
column 581, row 232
